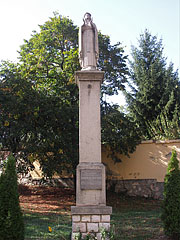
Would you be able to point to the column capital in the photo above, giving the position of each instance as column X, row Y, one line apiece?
column 89, row 76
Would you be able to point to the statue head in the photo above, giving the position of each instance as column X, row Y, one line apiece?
column 87, row 18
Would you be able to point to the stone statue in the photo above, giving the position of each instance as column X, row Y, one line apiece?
column 88, row 44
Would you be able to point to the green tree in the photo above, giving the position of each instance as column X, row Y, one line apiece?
column 39, row 96
column 35, row 125
column 119, row 134
column 11, row 219
column 154, row 93
column 171, row 203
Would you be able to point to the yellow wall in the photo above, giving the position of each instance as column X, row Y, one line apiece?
column 149, row 161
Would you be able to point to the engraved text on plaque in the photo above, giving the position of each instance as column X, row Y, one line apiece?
column 91, row 179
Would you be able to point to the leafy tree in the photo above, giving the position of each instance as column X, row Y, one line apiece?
column 39, row 96
column 154, row 89
column 35, row 125
column 119, row 134
column 113, row 62
column 11, row 219
column 171, row 202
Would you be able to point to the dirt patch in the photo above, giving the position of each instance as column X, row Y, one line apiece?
column 46, row 200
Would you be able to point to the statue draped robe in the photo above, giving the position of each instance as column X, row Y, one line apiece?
column 88, row 47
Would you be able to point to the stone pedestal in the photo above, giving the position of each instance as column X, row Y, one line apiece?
column 90, row 219
column 90, row 213
column 90, row 186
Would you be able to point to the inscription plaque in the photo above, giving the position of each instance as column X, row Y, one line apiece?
column 91, row 179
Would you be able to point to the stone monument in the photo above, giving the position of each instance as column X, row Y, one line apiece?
column 90, row 213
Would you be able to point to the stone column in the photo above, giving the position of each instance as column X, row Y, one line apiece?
column 90, row 213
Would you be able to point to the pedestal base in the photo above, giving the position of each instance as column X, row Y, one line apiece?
column 91, row 189
column 90, row 219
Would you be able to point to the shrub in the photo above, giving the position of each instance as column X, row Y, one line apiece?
column 11, row 219
column 171, row 203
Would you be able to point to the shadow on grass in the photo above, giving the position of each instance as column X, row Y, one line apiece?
column 133, row 219
column 138, row 225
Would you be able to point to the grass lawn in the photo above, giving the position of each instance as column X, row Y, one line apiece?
column 132, row 218
column 37, row 226
column 136, row 218
column 137, row 224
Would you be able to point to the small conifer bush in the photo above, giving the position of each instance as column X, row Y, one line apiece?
column 11, row 219
column 171, row 203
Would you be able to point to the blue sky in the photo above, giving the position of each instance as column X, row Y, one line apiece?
column 122, row 20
